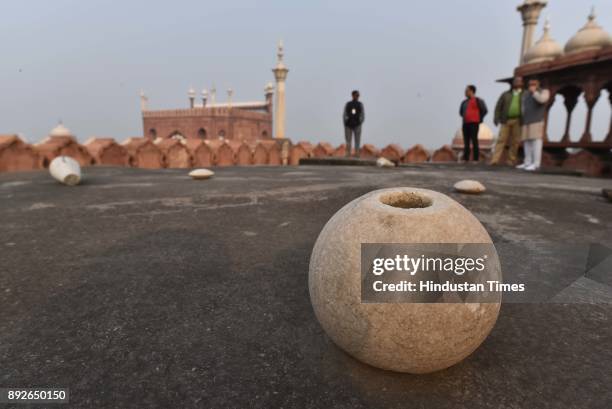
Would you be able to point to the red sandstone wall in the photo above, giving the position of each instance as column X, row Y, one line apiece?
column 444, row 154
column 142, row 152
column 416, row 154
column 260, row 154
column 16, row 155
column 106, row 151
column 52, row 147
column 299, row 151
column 323, row 150
column 233, row 124
column 175, row 153
column 201, row 153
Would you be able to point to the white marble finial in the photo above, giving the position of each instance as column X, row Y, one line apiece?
column 280, row 53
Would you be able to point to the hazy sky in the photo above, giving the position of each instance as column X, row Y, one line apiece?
column 85, row 61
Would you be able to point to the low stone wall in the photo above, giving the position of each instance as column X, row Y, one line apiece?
column 142, row 152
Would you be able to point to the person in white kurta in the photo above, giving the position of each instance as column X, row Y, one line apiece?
column 534, row 110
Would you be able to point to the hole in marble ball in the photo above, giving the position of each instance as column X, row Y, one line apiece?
column 406, row 200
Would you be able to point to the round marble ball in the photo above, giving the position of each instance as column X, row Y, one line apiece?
column 403, row 337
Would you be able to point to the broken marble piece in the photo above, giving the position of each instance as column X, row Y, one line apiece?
column 66, row 170
column 200, row 174
column 403, row 337
column 384, row 163
column 469, row 186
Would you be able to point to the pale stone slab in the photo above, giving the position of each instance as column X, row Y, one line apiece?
column 469, row 186
column 384, row 163
column 200, row 174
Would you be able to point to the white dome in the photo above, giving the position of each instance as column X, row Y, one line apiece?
column 545, row 49
column 60, row 130
column 484, row 133
column 589, row 37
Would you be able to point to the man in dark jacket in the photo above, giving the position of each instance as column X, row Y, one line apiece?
column 353, row 117
column 508, row 113
column 472, row 110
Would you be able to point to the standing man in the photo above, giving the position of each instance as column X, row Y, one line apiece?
column 472, row 110
column 508, row 114
column 534, row 109
column 353, row 118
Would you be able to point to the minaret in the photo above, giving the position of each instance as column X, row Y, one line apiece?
column 230, row 92
column 280, row 74
column 213, row 95
column 204, row 97
column 143, row 101
column 192, row 94
column 530, row 13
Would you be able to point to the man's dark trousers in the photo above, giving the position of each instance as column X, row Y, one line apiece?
column 470, row 134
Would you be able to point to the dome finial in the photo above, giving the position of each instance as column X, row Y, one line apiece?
column 590, row 37
column 280, row 53
column 545, row 49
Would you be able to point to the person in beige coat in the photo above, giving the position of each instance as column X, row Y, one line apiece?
column 533, row 106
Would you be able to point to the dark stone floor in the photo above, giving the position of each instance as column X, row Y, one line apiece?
column 145, row 289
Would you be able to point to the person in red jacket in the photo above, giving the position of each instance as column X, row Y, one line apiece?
column 472, row 110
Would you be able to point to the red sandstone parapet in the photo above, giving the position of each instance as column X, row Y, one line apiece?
column 274, row 152
column 592, row 164
column 260, row 154
column 144, row 153
column 444, row 154
column 299, row 151
column 553, row 159
column 323, row 150
column 201, row 152
column 223, row 152
column 243, row 154
column 106, row 151
column 176, row 155
column 416, row 154
column 54, row 146
column 340, row 151
column 393, row 152
column 369, row 151
column 17, row 155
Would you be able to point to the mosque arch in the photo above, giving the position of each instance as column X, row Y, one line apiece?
column 152, row 133
column 202, row 133
column 570, row 94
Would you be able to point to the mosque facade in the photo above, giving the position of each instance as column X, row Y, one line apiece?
column 208, row 119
